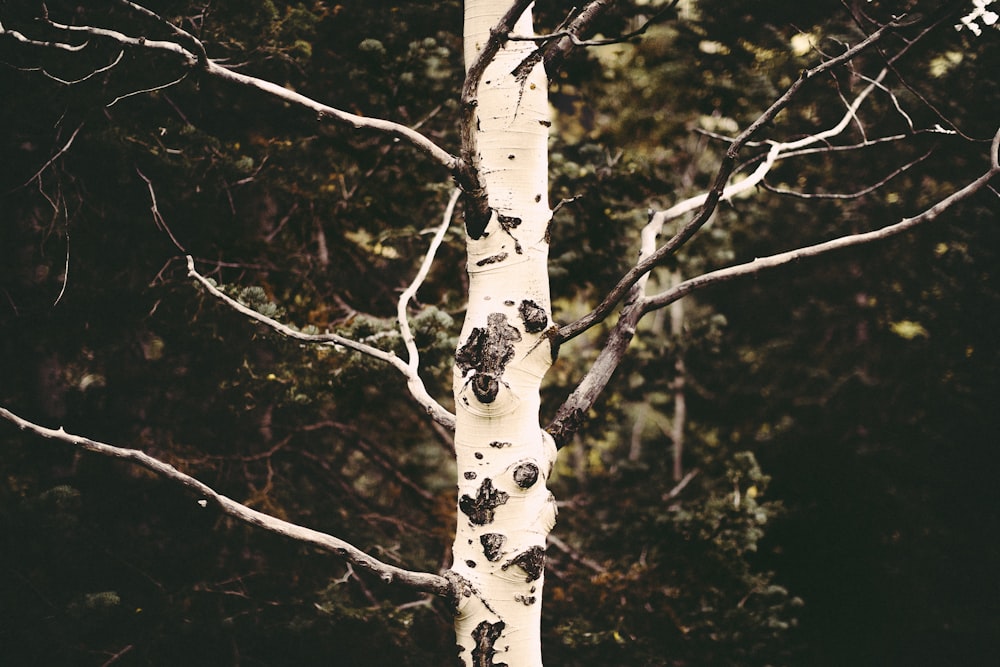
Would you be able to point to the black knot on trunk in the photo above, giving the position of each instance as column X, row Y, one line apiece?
column 525, row 475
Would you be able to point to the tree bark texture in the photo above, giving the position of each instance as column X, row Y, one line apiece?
column 505, row 510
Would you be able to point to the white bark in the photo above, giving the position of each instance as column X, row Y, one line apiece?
column 504, row 457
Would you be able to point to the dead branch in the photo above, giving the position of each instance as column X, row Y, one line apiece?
column 421, row 581
column 414, row 383
column 762, row 264
column 196, row 61
column 709, row 201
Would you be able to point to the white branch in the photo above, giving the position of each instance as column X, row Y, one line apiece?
column 779, row 150
column 211, row 68
column 413, row 354
column 414, row 383
column 323, row 111
column 707, row 203
column 422, row 581
column 765, row 263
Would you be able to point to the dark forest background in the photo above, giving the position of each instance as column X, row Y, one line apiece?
column 841, row 414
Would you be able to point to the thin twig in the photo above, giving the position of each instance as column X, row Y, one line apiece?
column 61, row 151
column 707, row 203
column 192, row 60
column 155, row 210
column 850, row 195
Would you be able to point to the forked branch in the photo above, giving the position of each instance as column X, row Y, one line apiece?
column 413, row 354
column 413, row 381
column 707, row 203
column 572, row 413
column 762, row 264
column 190, row 52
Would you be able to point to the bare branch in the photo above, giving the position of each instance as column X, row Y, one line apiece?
column 65, row 82
column 151, row 89
column 413, row 382
column 555, row 52
column 413, row 354
column 324, row 111
column 60, row 46
column 125, row 40
column 194, row 60
column 707, row 203
column 55, row 156
column 574, row 555
column 65, row 280
column 851, row 195
column 575, row 39
column 155, row 210
column 421, row 581
column 194, row 42
column 762, row 264
column 572, row 413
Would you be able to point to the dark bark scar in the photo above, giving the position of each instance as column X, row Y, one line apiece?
column 526, row 474
column 482, row 509
column 532, row 561
column 492, row 259
column 485, row 355
column 507, row 223
column 485, row 635
column 492, row 545
column 534, row 316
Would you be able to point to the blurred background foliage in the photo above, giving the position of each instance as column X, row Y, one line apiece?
column 834, row 503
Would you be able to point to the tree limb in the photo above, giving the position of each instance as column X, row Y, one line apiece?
column 573, row 37
column 554, row 53
column 421, row 581
column 709, row 201
column 413, row 354
column 194, row 61
column 413, row 381
column 571, row 415
column 762, row 264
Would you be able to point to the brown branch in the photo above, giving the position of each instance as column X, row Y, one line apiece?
column 554, row 53
column 571, row 415
column 848, row 195
column 421, row 581
column 573, row 36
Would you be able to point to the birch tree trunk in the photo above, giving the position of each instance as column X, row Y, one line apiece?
column 504, row 457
